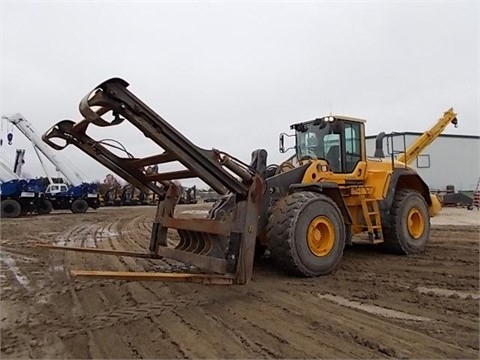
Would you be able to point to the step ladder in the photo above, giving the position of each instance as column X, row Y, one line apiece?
column 373, row 221
column 476, row 196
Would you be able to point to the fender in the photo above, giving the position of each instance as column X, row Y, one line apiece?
column 330, row 189
column 404, row 178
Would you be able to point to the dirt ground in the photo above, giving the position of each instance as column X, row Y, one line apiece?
column 374, row 306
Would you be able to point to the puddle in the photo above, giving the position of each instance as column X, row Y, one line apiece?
column 59, row 268
column 372, row 309
column 88, row 241
column 448, row 293
column 12, row 266
column 105, row 234
column 61, row 240
column 194, row 212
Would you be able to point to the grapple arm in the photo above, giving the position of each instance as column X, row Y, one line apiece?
column 224, row 243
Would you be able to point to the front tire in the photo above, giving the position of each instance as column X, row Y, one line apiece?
column 10, row 208
column 45, row 207
column 306, row 234
column 79, row 206
column 407, row 229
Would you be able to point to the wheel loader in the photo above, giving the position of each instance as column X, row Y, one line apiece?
column 304, row 211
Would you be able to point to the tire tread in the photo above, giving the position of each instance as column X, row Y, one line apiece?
column 391, row 226
column 281, row 223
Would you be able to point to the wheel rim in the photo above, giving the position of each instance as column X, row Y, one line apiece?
column 415, row 223
column 320, row 236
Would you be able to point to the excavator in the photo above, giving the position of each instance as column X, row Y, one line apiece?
column 303, row 211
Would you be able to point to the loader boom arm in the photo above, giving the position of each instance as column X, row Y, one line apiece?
column 428, row 137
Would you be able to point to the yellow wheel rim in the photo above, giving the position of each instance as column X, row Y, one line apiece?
column 320, row 236
column 415, row 223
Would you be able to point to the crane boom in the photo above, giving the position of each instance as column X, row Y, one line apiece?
column 19, row 161
column 71, row 176
column 6, row 174
column 50, row 180
column 428, row 137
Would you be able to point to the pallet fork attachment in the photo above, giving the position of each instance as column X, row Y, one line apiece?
column 223, row 244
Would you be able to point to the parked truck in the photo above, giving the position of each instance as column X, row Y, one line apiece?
column 19, row 196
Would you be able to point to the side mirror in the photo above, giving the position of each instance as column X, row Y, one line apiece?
column 281, row 143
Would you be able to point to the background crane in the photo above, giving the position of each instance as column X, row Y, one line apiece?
column 71, row 175
column 75, row 193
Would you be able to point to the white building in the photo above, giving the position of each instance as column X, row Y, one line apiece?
column 449, row 160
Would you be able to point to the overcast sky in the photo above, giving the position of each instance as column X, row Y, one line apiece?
column 234, row 75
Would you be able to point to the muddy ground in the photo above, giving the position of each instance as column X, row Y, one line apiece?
column 374, row 306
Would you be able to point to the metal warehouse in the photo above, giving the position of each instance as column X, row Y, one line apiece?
column 449, row 160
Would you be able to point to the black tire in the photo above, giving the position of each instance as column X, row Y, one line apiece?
column 10, row 208
column 79, row 206
column 288, row 229
column 45, row 207
column 408, row 207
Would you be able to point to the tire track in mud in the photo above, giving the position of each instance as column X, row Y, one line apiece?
column 455, row 320
column 126, row 241
column 275, row 327
column 274, row 316
column 136, row 291
column 46, row 282
column 121, row 238
column 370, row 289
column 87, row 298
column 257, row 340
column 48, row 289
column 345, row 323
column 183, row 329
column 86, row 235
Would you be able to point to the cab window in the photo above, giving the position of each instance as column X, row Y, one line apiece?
column 353, row 151
column 331, row 149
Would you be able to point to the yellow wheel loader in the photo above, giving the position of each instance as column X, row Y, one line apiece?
column 304, row 210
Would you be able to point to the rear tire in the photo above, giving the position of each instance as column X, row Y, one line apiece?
column 45, row 207
column 306, row 234
column 79, row 206
column 10, row 208
column 407, row 229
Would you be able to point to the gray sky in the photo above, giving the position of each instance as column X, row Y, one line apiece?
column 235, row 75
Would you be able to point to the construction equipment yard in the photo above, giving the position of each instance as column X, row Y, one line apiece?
column 371, row 306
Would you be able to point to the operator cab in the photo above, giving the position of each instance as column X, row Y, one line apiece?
column 336, row 139
column 56, row 188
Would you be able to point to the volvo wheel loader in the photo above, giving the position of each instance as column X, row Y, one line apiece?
column 304, row 211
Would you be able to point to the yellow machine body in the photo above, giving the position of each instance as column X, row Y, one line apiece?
column 303, row 211
column 371, row 179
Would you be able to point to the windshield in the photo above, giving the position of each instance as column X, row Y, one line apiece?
column 316, row 141
column 337, row 142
